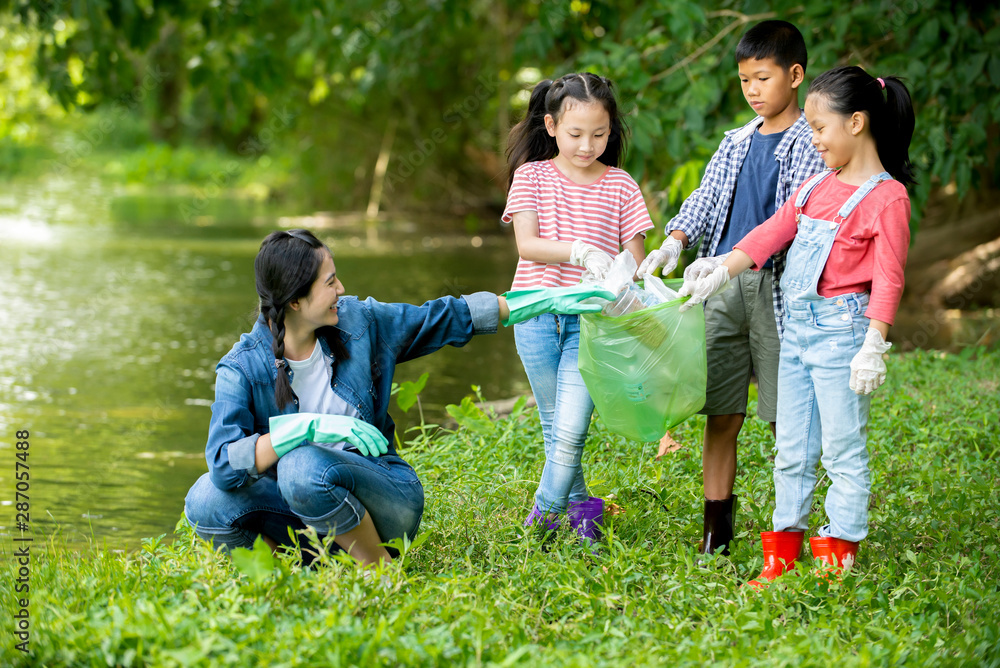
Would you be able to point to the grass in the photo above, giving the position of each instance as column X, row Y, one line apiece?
column 475, row 590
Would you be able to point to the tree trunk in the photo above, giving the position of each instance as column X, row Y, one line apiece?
column 953, row 274
column 167, row 57
column 378, row 180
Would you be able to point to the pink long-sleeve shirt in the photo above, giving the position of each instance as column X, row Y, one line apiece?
column 869, row 249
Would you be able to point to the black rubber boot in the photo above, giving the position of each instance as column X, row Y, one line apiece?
column 720, row 518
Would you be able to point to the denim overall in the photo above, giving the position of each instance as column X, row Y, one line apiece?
column 819, row 417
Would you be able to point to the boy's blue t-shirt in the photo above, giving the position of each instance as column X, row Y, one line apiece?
column 753, row 201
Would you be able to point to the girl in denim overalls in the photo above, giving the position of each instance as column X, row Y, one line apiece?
column 848, row 231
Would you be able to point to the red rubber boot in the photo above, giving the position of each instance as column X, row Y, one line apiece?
column 781, row 549
column 833, row 553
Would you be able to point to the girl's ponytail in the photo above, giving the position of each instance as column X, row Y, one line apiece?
column 887, row 103
column 896, row 131
column 529, row 140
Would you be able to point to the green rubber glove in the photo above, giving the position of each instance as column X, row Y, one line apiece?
column 526, row 304
column 290, row 431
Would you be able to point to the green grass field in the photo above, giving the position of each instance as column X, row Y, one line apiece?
column 475, row 590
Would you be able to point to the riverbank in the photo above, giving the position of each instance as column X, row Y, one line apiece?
column 477, row 591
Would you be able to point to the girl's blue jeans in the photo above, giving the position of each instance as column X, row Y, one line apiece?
column 329, row 490
column 548, row 347
column 820, row 418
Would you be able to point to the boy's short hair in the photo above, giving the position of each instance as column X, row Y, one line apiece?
column 775, row 39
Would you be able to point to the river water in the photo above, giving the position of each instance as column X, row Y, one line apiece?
column 116, row 310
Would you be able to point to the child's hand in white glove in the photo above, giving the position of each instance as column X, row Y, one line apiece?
column 703, row 266
column 702, row 288
column 868, row 368
column 665, row 256
column 591, row 258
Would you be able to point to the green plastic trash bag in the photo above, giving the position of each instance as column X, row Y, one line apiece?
column 646, row 371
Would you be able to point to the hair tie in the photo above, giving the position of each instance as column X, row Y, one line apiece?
column 882, row 82
column 301, row 235
column 279, row 364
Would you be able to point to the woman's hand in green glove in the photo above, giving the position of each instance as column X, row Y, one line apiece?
column 290, row 431
column 526, row 304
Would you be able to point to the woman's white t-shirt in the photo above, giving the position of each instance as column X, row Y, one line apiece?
column 311, row 384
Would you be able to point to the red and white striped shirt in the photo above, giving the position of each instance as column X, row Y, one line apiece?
column 606, row 213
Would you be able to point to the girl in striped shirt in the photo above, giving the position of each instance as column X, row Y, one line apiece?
column 572, row 209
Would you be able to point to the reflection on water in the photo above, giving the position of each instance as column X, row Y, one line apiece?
column 116, row 311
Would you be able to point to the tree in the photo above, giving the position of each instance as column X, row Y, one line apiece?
column 444, row 75
column 347, row 71
column 674, row 61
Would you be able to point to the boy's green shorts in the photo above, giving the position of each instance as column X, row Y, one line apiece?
column 742, row 338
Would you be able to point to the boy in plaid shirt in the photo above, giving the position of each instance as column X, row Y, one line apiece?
column 756, row 168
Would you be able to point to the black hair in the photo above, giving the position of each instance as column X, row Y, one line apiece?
column 887, row 105
column 775, row 39
column 529, row 140
column 285, row 269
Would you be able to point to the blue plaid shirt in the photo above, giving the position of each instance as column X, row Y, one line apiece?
column 705, row 212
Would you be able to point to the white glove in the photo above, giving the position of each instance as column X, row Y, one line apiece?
column 702, row 288
column 665, row 256
column 703, row 266
column 590, row 257
column 867, row 367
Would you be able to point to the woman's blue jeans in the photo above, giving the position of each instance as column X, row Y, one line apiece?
column 329, row 490
column 548, row 347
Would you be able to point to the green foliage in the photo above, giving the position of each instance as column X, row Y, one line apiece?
column 446, row 77
column 17, row 158
column 342, row 71
column 674, row 61
column 257, row 564
column 23, row 103
column 469, row 416
column 404, row 545
column 409, row 392
column 475, row 589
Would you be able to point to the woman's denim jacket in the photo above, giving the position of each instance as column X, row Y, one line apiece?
column 377, row 337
